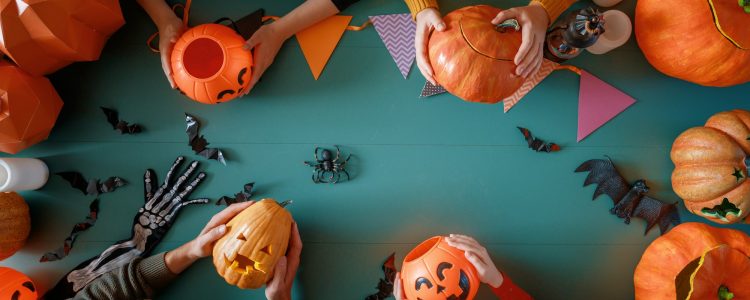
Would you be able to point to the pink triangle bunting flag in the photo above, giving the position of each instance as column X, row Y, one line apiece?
column 598, row 103
column 397, row 32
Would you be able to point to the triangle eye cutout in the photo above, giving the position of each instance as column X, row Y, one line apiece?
column 241, row 237
column 266, row 250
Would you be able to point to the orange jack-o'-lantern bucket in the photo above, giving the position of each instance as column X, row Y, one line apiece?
column 16, row 285
column 210, row 65
column 435, row 270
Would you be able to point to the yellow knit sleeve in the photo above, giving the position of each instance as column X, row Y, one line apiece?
column 415, row 6
column 553, row 7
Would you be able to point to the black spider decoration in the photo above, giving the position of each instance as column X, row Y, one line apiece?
column 328, row 165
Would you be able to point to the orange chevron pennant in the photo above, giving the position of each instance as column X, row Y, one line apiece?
column 544, row 70
column 318, row 41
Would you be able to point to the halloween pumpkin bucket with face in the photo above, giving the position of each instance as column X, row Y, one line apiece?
column 255, row 240
column 210, row 65
column 15, row 285
column 436, row 271
column 472, row 58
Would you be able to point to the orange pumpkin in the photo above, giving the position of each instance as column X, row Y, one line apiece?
column 43, row 36
column 210, row 65
column 705, row 42
column 473, row 60
column 29, row 106
column 694, row 259
column 435, row 270
column 255, row 240
column 711, row 167
column 15, row 285
column 15, row 224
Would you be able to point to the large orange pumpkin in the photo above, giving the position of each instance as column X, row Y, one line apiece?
column 255, row 240
column 435, row 270
column 16, row 286
column 711, row 167
column 210, row 65
column 695, row 259
column 29, row 106
column 42, row 36
column 702, row 41
column 472, row 59
column 15, row 224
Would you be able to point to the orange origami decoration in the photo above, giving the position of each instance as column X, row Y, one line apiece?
column 29, row 106
column 43, row 36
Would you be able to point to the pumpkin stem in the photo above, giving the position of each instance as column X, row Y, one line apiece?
column 724, row 293
column 285, row 203
column 745, row 4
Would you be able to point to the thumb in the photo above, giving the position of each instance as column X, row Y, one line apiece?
column 253, row 41
column 279, row 273
column 440, row 25
column 504, row 15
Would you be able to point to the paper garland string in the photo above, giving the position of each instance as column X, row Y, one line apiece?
column 397, row 33
column 78, row 228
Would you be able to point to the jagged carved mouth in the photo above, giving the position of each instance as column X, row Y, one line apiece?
column 474, row 47
column 243, row 265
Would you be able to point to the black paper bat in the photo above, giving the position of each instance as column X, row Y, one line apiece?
column 243, row 196
column 537, row 144
column 385, row 285
column 78, row 228
column 250, row 24
column 198, row 143
column 113, row 118
column 92, row 186
column 630, row 201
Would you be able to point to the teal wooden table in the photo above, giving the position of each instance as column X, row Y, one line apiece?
column 422, row 167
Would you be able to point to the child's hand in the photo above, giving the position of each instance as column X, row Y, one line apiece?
column 280, row 286
column 267, row 41
column 427, row 20
column 478, row 257
column 534, row 21
column 398, row 292
column 169, row 31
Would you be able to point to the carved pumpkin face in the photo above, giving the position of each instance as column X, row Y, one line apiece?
column 436, row 271
column 711, row 169
column 15, row 285
column 210, row 64
column 255, row 240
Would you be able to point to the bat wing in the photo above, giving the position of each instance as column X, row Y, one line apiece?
column 113, row 118
column 76, row 181
column 537, row 144
column 656, row 212
column 608, row 179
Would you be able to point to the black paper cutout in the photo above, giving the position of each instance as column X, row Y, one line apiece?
column 250, row 24
column 385, row 285
column 243, row 196
column 113, row 118
column 198, row 143
column 630, row 201
column 92, row 186
column 78, row 228
column 537, row 144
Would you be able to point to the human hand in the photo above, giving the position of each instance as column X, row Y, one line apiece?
column 203, row 244
column 534, row 22
column 427, row 20
column 478, row 256
column 280, row 286
column 398, row 292
column 169, row 31
column 266, row 43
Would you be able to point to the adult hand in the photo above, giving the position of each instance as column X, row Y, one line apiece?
column 169, row 31
column 203, row 244
column 398, row 292
column 265, row 43
column 427, row 20
column 478, row 256
column 534, row 22
column 280, row 286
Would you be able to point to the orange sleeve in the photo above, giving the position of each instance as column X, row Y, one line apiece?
column 554, row 8
column 415, row 6
column 510, row 291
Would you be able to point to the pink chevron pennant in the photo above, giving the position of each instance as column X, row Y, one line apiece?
column 397, row 32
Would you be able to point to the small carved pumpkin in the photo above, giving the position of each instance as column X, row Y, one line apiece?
column 695, row 261
column 255, row 240
column 711, row 169
column 472, row 59
column 210, row 65
column 15, row 285
column 436, row 271
column 15, row 224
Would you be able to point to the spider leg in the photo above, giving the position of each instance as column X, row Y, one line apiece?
column 347, row 174
column 316, row 153
column 348, row 157
column 322, row 177
column 315, row 175
column 337, row 177
column 338, row 154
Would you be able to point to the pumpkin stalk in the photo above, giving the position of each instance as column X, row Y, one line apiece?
column 745, row 4
column 724, row 293
column 285, row 203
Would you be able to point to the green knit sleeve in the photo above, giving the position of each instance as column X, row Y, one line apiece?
column 139, row 279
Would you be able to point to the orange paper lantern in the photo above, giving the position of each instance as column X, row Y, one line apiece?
column 436, row 271
column 43, row 36
column 210, row 65
column 29, row 106
column 15, row 285
column 705, row 42
column 473, row 60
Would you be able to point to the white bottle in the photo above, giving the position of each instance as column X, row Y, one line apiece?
column 22, row 174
